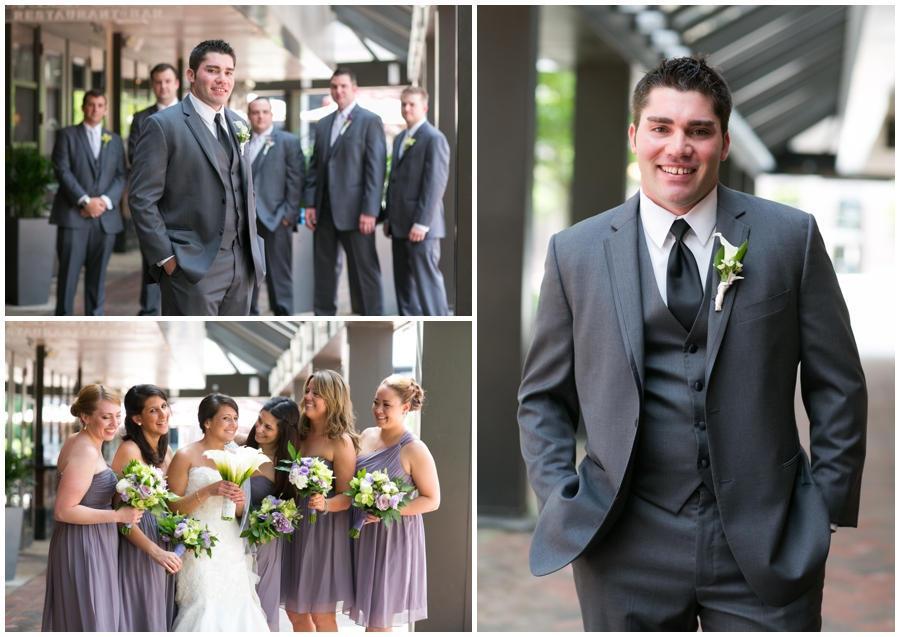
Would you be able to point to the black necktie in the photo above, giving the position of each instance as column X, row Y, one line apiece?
column 223, row 138
column 683, row 291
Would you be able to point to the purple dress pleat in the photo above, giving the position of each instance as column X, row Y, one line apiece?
column 82, row 569
column 317, row 572
column 148, row 593
column 268, row 558
column 389, row 564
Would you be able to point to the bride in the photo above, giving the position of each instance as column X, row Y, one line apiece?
column 218, row 593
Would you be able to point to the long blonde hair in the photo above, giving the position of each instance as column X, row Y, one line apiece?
column 339, row 418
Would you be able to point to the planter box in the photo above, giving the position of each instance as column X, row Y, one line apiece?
column 14, row 517
column 30, row 252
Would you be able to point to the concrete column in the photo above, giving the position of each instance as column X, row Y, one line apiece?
column 444, row 103
column 507, row 49
column 447, row 430
column 370, row 361
column 602, row 93
column 464, row 231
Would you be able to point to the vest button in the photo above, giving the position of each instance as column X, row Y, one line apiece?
column 704, row 463
column 702, row 425
column 698, row 385
column 692, row 349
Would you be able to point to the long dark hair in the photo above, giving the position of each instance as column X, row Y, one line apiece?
column 134, row 405
column 287, row 415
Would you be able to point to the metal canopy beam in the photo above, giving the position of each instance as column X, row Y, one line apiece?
column 257, row 343
column 387, row 26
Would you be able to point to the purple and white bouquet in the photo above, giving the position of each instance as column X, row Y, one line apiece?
column 187, row 534
column 378, row 494
column 308, row 475
column 236, row 466
column 273, row 519
column 144, row 488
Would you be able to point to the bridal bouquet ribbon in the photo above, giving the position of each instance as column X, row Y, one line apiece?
column 378, row 494
column 728, row 263
column 236, row 466
column 187, row 534
column 308, row 475
column 143, row 488
column 273, row 519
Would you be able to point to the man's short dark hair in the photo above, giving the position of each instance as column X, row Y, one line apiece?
column 210, row 46
column 343, row 70
column 162, row 68
column 685, row 74
column 262, row 98
column 94, row 92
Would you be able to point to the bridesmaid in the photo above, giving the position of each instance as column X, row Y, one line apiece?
column 148, row 594
column 82, row 566
column 390, row 563
column 277, row 422
column 317, row 574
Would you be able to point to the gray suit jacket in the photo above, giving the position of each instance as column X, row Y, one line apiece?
column 416, row 186
column 177, row 194
column 587, row 358
column 356, row 167
column 137, row 123
column 278, row 179
column 78, row 175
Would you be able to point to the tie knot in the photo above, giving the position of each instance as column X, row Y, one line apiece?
column 679, row 227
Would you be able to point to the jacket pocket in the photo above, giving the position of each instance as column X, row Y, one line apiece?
column 792, row 460
column 762, row 308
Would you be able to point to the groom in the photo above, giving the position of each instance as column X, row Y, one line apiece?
column 192, row 196
column 696, row 501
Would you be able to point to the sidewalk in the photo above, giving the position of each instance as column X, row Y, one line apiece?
column 859, row 574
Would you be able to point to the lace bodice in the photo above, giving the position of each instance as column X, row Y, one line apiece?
column 210, row 512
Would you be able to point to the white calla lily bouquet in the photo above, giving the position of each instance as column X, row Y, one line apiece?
column 236, row 466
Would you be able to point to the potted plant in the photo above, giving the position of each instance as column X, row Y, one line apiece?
column 30, row 239
column 18, row 472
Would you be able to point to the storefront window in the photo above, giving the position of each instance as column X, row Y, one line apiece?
column 23, row 53
column 53, row 62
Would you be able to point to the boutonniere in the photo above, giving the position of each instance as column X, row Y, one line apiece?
column 346, row 124
column 105, row 138
column 408, row 142
column 728, row 263
column 268, row 144
column 243, row 135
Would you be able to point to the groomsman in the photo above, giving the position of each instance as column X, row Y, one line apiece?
column 89, row 162
column 164, row 82
column 192, row 196
column 344, row 186
column 415, row 209
column 279, row 173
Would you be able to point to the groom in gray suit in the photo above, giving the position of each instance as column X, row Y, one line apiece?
column 695, row 501
column 414, row 209
column 192, row 196
column 279, row 173
column 343, row 197
column 89, row 163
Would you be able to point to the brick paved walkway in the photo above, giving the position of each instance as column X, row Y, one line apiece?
column 859, row 579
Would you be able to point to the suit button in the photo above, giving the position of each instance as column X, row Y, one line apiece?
column 221, row 232
column 704, row 463
column 702, row 425
column 698, row 385
column 692, row 349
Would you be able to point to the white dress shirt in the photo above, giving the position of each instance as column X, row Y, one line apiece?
column 94, row 133
column 208, row 114
column 257, row 142
column 340, row 118
column 657, row 223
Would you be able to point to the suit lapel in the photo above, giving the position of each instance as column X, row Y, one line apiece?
column 262, row 154
column 735, row 232
column 337, row 142
column 86, row 145
column 201, row 133
column 623, row 264
column 104, row 151
column 243, row 161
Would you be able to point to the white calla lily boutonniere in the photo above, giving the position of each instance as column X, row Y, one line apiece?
column 346, row 124
column 243, row 135
column 408, row 142
column 105, row 138
column 728, row 262
column 268, row 144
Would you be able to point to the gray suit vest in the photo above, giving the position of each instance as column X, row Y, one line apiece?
column 235, row 216
column 672, row 455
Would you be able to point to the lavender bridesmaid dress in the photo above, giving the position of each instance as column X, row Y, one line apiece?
column 82, row 569
column 317, row 573
column 389, row 564
column 148, row 592
column 268, row 558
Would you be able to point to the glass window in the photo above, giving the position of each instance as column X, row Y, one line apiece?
column 23, row 116
column 53, row 65
column 23, row 53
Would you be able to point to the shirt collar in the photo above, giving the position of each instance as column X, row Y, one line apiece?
column 160, row 107
column 93, row 129
column 205, row 111
column 657, row 221
column 346, row 111
column 265, row 133
column 415, row 127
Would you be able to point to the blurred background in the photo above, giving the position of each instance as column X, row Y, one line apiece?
column 47, row 362
column 812, row 127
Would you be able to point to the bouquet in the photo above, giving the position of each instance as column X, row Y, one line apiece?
column 236, row 466
column 187, row 534
column 274, row 518
column 308, row 475
column 143, row 488
column 378, row 494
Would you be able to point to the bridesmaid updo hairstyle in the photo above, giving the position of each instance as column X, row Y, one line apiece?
column 407, row 388
column 89, row 399
column 339, row 419
column 287, row 416
column 211, row 405
column 134, row 406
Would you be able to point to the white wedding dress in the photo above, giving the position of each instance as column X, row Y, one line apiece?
column 217, row 594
